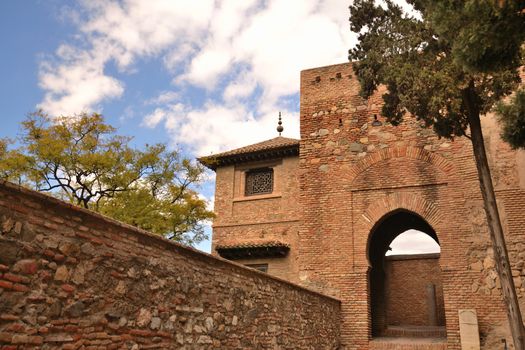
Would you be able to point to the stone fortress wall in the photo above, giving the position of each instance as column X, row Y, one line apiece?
column 354, row 175
column 72, row 279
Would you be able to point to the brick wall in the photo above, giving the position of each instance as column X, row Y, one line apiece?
column 354, row 174
column 72, row 279
column 271, row 217
column 407, row 280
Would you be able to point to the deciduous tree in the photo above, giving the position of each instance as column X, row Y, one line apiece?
column 81, row 159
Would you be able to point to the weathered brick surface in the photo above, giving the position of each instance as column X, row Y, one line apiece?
column 260, row 218
column 71, row 279
column 354, row 174
column 407, row 278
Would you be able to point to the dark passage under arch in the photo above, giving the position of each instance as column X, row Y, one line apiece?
column 405, row 291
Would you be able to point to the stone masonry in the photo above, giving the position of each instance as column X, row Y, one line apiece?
column 72, row 279
column 330, row 205
column 353, row 185
column 354, row 175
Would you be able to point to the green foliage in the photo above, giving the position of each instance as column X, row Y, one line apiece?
column 445, row 61
column 13, row 164
column 487, row 34
column 512, row 116
column 82, row 160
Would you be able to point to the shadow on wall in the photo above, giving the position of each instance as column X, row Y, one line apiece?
column 406, row 290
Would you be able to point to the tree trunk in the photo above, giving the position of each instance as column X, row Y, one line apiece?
column 496, row 233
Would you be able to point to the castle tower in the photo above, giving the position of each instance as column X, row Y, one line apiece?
column 322, row 211
column 365, row 181
column 256, row 202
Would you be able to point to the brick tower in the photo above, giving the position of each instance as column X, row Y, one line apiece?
column 350, row 186
column 256, row 202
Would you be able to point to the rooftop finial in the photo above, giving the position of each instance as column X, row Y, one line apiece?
column 280, row 125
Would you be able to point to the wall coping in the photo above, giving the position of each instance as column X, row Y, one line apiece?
column 327, row 66
column 185, row 250
column 413, row 256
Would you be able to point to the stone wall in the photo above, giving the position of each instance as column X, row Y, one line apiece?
column 407, row 280
column 354, row 174
column 73, row 279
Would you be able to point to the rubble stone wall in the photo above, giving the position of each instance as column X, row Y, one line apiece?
column 73, row 279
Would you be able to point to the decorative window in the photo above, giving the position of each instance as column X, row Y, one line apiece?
column 260, row 267
column 259, row 181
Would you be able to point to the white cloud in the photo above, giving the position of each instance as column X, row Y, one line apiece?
column 178, row 56
column 120, row 32
column 153, row 119
column 413, row 242
column 240, row 87
column 77, row 84
column 163, row 114
column 227, row 47
column 207, row 66
column 146, row 27
column 275, row 42
column 164, row 98
column 218, row 127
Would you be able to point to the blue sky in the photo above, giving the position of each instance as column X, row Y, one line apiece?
column 202, row 76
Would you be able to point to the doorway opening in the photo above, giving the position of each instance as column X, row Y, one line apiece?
column 406, row 292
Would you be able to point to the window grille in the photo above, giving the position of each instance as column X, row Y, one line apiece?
column 259, row 181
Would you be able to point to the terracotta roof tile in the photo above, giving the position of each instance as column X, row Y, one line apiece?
column 252, row 244
column 277, row 142
column 261, row 150
column 253, row 249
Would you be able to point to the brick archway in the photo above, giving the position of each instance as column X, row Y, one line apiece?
column 409, row 152
column 399, row 201
column 410, row 302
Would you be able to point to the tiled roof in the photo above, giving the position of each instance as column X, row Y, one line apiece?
column 278, row 146
column 252, row 244
column 277, row 142
column 253, row 249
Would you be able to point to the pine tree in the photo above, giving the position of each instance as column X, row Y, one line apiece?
column 449, row 62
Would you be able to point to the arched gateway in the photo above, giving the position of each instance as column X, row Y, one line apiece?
column 321, row 211
column 406, row 291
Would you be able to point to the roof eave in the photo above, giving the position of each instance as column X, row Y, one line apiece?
column 253, row 252
column 213, row 162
